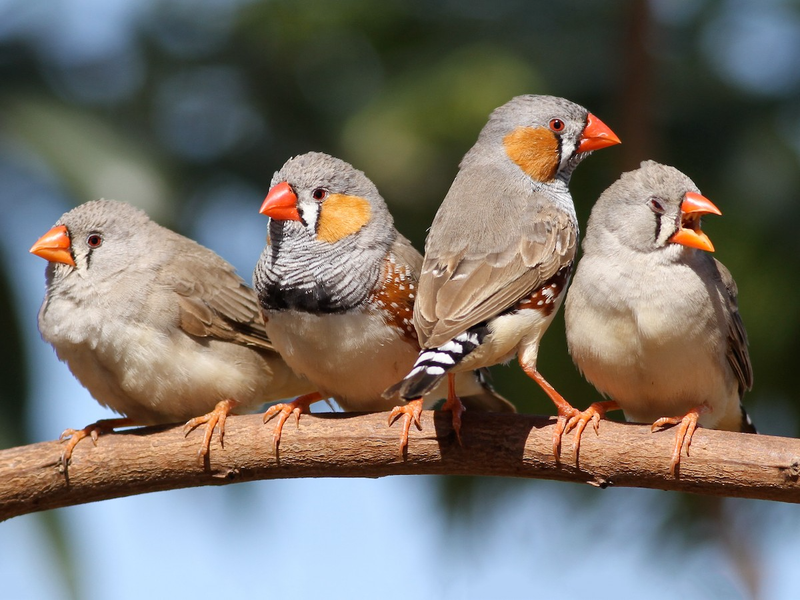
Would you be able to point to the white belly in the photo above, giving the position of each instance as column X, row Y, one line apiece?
column 653, row 357
column 512, row 334
column 157, row 377
column 352, row 357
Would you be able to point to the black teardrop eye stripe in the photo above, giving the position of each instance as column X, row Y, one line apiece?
column 88, row 256
column 658, row 226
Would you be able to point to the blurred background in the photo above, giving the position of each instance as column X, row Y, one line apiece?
column 187, row 107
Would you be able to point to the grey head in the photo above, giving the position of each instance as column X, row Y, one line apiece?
column 654, row 208
column 545, row 136
column 329, row 233
column 102, row 238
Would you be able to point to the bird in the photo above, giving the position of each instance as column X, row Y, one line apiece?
column 336, row 283
column 652, row 319
column 155, row 326
column 499, row 254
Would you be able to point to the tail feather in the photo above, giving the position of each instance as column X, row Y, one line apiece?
column 434, row 363
column 747, row 425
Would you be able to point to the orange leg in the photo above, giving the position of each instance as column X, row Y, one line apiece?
column 687, row 424
column 211, row 420
column 566, row 411
column 594, row 413
column 299, row 405
column 411, row 413
column 454, row 405
column 93, row 431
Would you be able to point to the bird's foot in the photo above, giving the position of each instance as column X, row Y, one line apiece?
column 454, row 405
column 94, row 431
column 593, row 414
column 411, row 413
column 566, row 414
column 216, row 417
column 683, row 436
column 298, row 406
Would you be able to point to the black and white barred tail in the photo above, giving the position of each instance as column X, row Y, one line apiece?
column 747, row 425
column 433, row 364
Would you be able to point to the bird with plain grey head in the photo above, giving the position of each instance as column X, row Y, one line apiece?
column 157, row 327
column 652, row 318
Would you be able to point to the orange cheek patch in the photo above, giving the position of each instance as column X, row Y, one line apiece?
column 534, row 150
column 340, row 216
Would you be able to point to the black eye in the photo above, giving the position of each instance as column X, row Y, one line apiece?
column 656, row 206
column 557, row 125
column 319, row 194
column 94, row 240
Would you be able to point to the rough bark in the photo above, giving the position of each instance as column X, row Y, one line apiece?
column 349, row 445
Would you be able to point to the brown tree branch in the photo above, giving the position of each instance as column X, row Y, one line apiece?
column 349, row 445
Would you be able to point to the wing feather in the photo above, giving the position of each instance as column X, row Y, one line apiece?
column 213, row 301
column 474, row 270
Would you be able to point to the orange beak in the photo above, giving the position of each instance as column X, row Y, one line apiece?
column 281, row 203
column 693, row 207
column 54, row 246
column 596, row 135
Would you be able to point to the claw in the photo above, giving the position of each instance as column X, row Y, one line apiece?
column 683, row 436
column 299, row 405
column 454, row 405
column 565, row 410
column 561, row 429
column 593, row 414
column 216, row 417
column 93, row 431
column 411, row 413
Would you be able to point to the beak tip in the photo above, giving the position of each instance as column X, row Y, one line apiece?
column 54, row 246
column 280, row 203
column 596, row 135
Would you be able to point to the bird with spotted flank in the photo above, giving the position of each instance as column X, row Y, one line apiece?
column 336, row 283
column 499, row 254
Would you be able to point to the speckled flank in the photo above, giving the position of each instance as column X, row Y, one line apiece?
column 395, row 295
column 535, row 150
column 544, row 298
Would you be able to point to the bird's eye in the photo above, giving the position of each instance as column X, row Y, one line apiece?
column 557, row 125
column 94, row 240
column 656, row 206
column 319, row 194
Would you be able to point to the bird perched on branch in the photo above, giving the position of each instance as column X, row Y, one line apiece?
column 155, row 326
column 337, row 283
column 499, row 253
column 652, row 320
